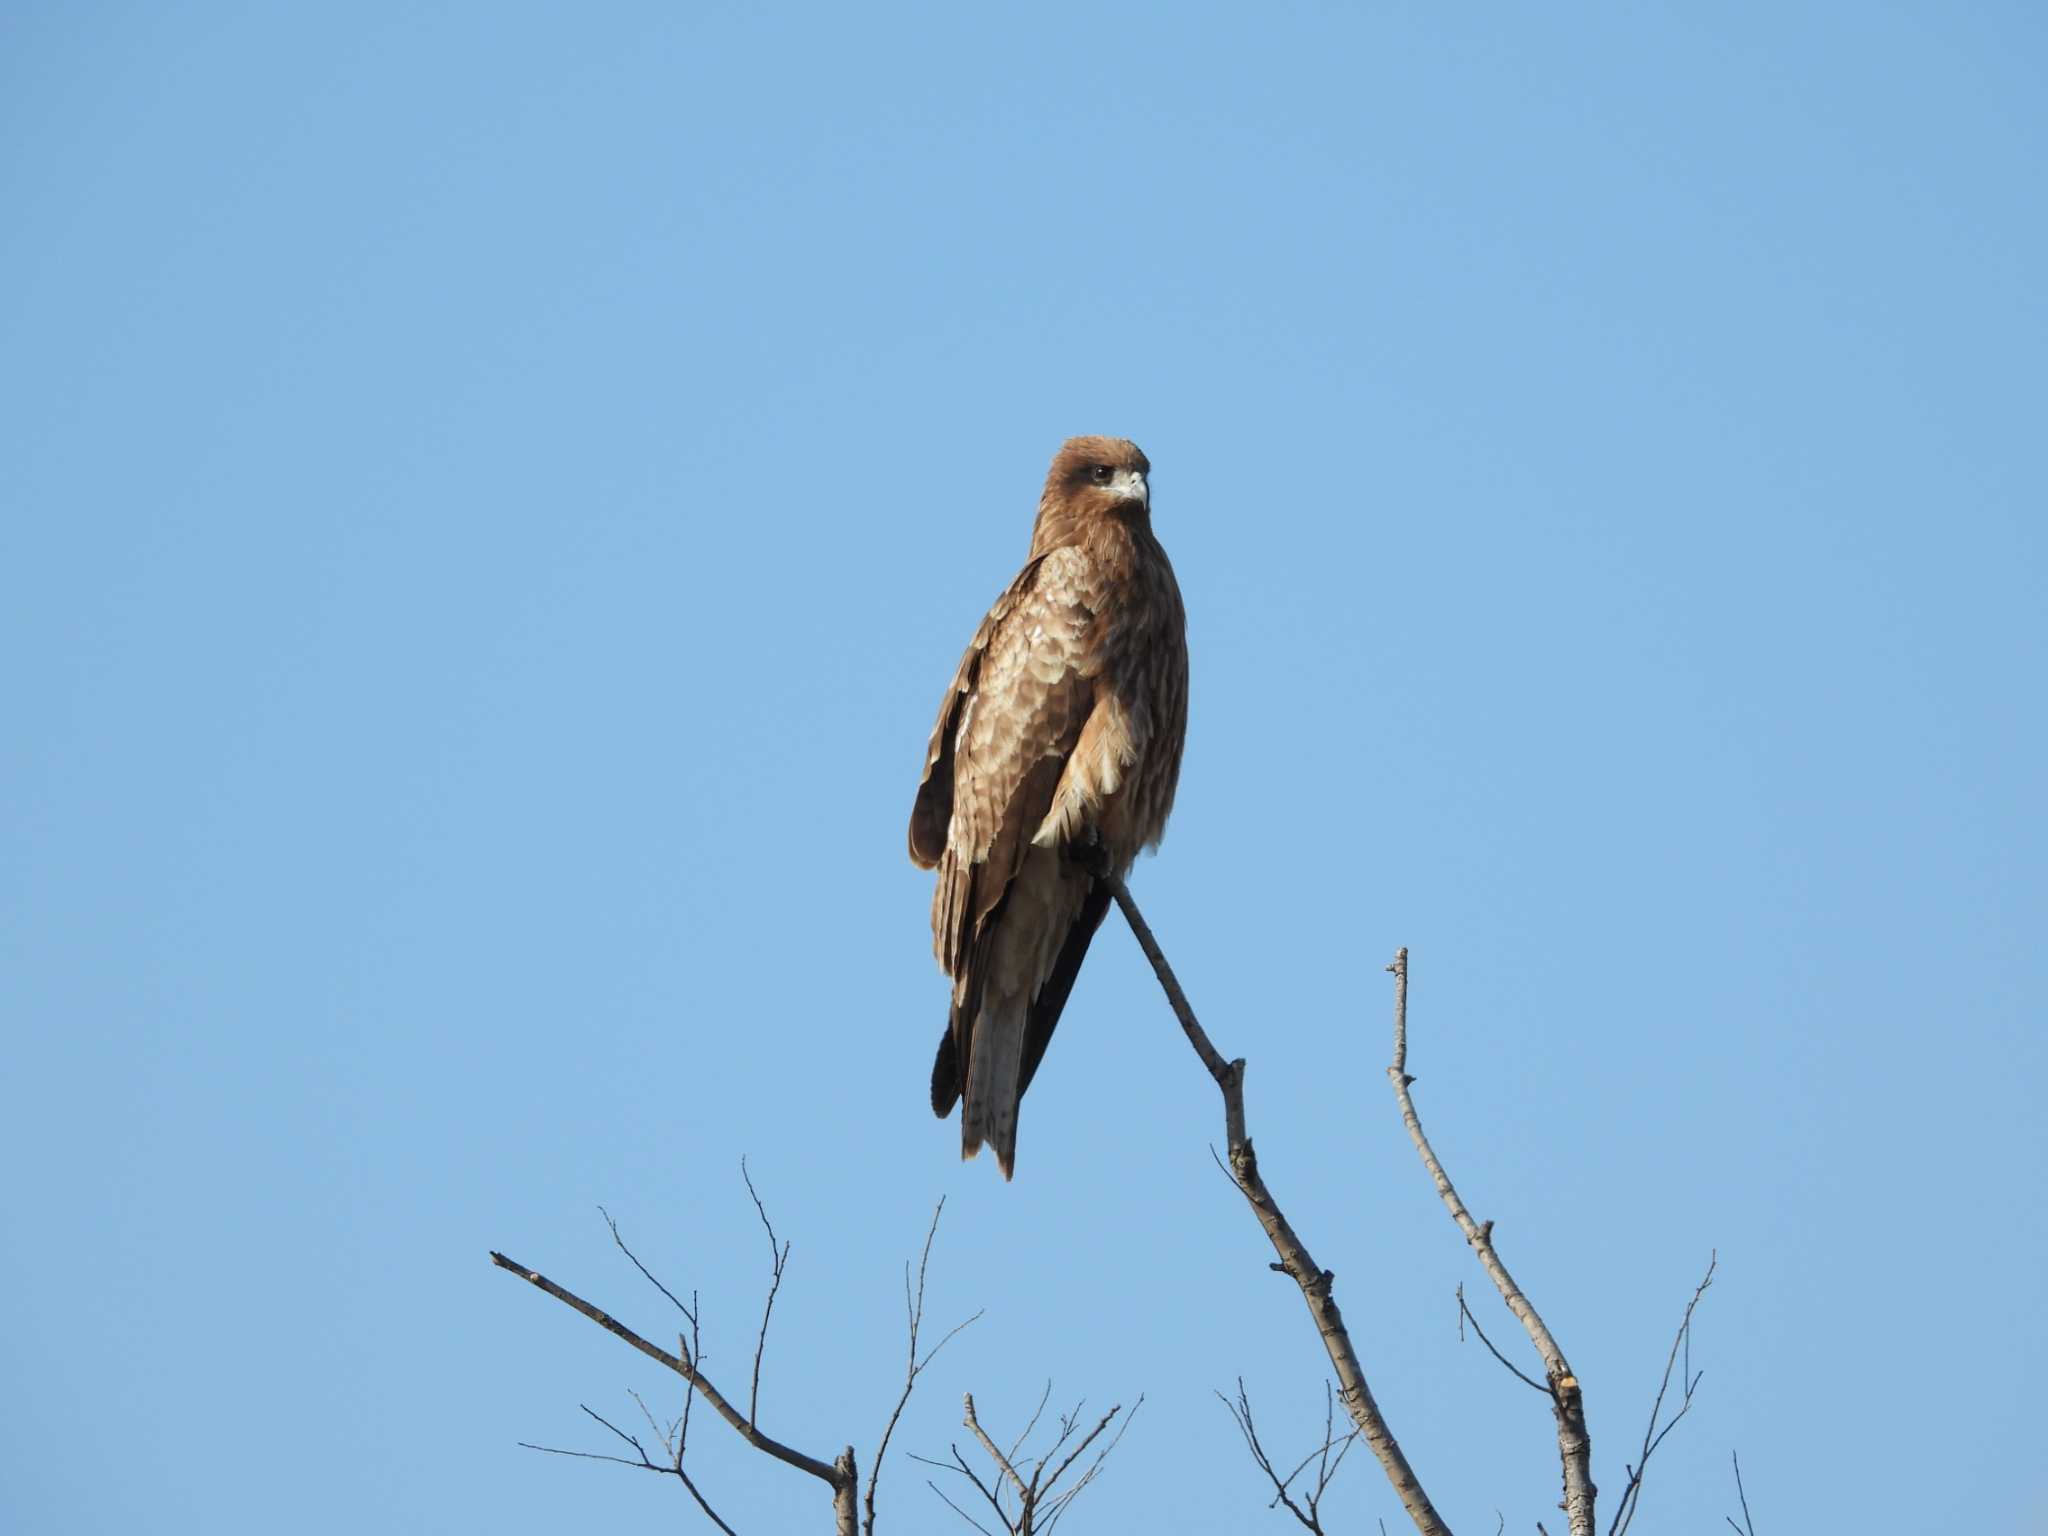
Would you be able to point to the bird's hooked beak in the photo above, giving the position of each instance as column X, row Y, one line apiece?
column 1129, row 485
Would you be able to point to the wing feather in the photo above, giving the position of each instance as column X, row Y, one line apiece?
column 1018, row 705
column 933, row 809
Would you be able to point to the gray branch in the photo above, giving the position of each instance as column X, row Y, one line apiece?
column 1316, row 1284
column 1574, row 1444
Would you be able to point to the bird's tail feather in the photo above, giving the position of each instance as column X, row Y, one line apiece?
column 995, row 1064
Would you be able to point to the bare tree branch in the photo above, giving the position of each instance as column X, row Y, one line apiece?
column 1316, row 1284
column 992, row 1495
column 1631, row 1496
column 1086, row 1440
column 1041, row 1501
column 676, row 1471
column 1064, row 1500
column 1574, row 1444
column 839, row 1475
column 913, row 1306
column 995, row 1455
column 677, row 1439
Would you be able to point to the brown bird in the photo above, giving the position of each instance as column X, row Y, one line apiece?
column 1056, row 753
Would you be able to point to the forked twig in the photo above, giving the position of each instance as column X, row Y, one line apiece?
column 1031, row 1423
column 913, row 1306
column 778, row 1257
column 675, row 1470
column 1041, row 1500
column 1631, row 1496
column 1308, row 1511
column 1063, row 1500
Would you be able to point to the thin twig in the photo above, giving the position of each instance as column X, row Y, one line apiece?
column 1631, row 1496
column 959, row 1464
column 695, row 1352
column 629, row 1253
column 674, row 1440
column 1326, row 1468
column 555, row 1450
column 1069, row 1422
column 1241, row 1412
column 1316, row 1284
column 1086, row 1440
column 1746, row 1528
column 913, row 1306
column 1064, row 1501
column 644, row 1463
column 667, row 1440
column 1574, row 1444
column 690, row 1487
column 993, row 1495
column 1465, row 1315
column 608, row 1424
column 1031, row 1423
column 935, row 1488
column 779, row 1256
column 1041, row 1501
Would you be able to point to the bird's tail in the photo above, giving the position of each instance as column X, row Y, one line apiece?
column 995, row 1065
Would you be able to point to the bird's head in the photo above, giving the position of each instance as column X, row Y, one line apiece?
column 1098, row 475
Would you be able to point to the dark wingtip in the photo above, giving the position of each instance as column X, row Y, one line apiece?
column 945, row 1076
column 932, row 811
column 926, row 843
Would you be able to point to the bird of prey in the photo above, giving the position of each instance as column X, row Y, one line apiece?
column 1055, row 756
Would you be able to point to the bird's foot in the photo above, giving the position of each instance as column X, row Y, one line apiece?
column 1088, row 854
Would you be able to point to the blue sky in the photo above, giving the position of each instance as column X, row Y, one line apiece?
column 494, row 494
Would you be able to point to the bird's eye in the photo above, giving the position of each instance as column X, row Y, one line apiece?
column 1100, row 473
